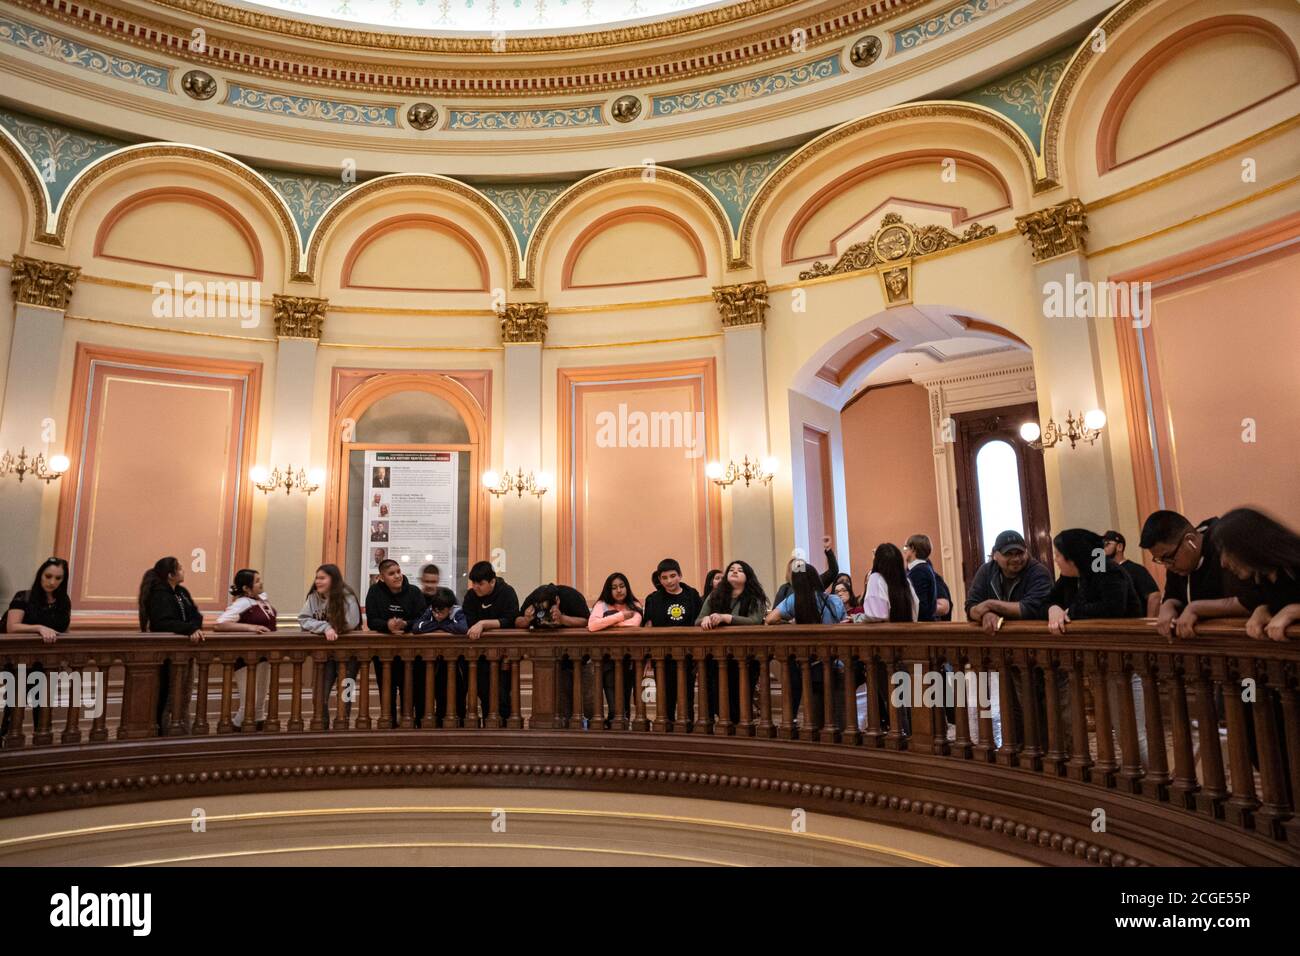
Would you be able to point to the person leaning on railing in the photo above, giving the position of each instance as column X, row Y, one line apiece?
column 1010, row 584
column 1193, row 572
column 166, row 606
column 393, row 604
column 251, row 613
column 490, row 603
column 331, row 609
column 616, row 607
column 672, row 603
column 807, row 603
column 44, row 609
column 737, row 599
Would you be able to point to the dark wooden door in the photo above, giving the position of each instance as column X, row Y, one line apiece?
column 974, row 430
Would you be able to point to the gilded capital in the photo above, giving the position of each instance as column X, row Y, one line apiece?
column 1055, row 231
column 299, row 316
column 524, row 322
column 743, row 304
column 37, row 282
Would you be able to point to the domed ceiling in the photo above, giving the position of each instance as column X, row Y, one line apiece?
column 487, row 16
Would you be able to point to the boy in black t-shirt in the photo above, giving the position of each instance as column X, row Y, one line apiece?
column 1193, row 572
column 553, row 606
column 672, row 604
column 1148, row 591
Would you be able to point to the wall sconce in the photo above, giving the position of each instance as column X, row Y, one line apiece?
column 304, row 482
column 55, row 470
column 1084, row 428
column 763, row 471
column 499, row 485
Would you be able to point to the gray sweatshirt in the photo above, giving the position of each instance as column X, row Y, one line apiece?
column 312, row 616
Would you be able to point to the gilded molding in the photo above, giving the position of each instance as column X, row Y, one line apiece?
column 815, row 147
column 37, row 282
column 897, row 242
column 35, row 187
column 524, row 322
column 1051, row 136
column 595, row 181
column 298, row 316
column 1055, row 231
column 743, row 304
column 360, row 193
column 284, row 61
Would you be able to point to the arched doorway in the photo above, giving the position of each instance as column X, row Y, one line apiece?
column 417, row 415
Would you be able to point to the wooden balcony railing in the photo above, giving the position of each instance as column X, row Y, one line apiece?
column 1207, row 771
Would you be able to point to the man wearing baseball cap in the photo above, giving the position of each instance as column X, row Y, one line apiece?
column 1145, row 585
column 1010, row 584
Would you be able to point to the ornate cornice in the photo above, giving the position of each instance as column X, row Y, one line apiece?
column 743, row 304
column 37, row 282
column 1055, row 231
column 524, row 322
column 299, row 316
column 897, row 242
column 270, row 55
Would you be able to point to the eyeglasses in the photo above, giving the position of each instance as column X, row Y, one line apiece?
column 1169, row 559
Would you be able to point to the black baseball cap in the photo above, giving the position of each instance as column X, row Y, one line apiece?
column 1116, row 537
column 1009, row 541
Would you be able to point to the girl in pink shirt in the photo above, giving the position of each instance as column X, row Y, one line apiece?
column 617, row 606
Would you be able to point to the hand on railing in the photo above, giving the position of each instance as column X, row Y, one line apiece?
column 198, row 637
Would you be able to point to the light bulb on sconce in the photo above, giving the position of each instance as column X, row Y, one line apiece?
column 714, row 470
column 1095, row 420
column 267, row 482
column 491, row 479
column 748, row 471
column 1030, row 431
column 535, row 484
column 1084, row 427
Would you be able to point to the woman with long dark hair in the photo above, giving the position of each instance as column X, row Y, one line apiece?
column 736, row 599
column 1090, row 585
column 1264, row 555
column 45, row 607
column 331, row 609
column 165, row 605
column 807, row 603
column 249, row 612
column 888, row 595
column 710, row 582
column 617, row 606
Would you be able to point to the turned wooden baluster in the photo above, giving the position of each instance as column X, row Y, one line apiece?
column 430, row 665
column 1291, row 721
column 408, row 688
column 1214, row 785
column 1054, row 759
column 1080, row 762
column 745, row 723
column 1241, row 805
column 295, row 694
column 224, row 723
column 641, row 722
column 680, row 718
column 180, row 677
column 472, row 716
column 895, row 739
column 725, row 725
column 807, row 729
column 575, row 707
column 1184, row 784
column 661, row 696
column 1007, row 753
column 71, row 733
column 492, row 719
column 873, row 736
column 319, row 705
column 42, row 736
column 1156, row 782
column 701, row 694
column 986, row 750
column 449, row 716
column 99, row 727
column 1031, row 750
column 201, row 725
column 340, row 721
column 966, row 689
column 1121, row 676
column 1274, row 806
column 273, row 725
column 385, row 676
column 765, row 728
column 724, row 696
column 852, row 735
column 597, row 721
column 17, row 713
column 516, row 719
column 785, row 730
column 619, row 710
column 827, row 733
column 1106, row 765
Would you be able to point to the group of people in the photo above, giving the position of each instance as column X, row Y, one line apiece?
column 1244, row 564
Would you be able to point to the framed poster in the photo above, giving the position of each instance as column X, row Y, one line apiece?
column 410, row 511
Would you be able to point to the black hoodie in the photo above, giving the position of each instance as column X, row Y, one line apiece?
column 501, row 605
column 1093, row 594
column 172, row 610
column 382, row 604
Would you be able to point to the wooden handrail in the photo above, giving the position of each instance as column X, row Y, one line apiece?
column 1203, row 732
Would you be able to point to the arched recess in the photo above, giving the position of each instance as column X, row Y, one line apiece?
column 461, row 241
column 28, row 186
column 350, row 409
column 206, row 202
column 935, row 115
column 385, row 187
column 663, row 178
column 126, row 161
column 1128, row 93
column 593, row 231
column 878, row 167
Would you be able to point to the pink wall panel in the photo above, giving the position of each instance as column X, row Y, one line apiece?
column 636, row 505
column 888, row 471
column 821, row 517
column 1226, row 348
